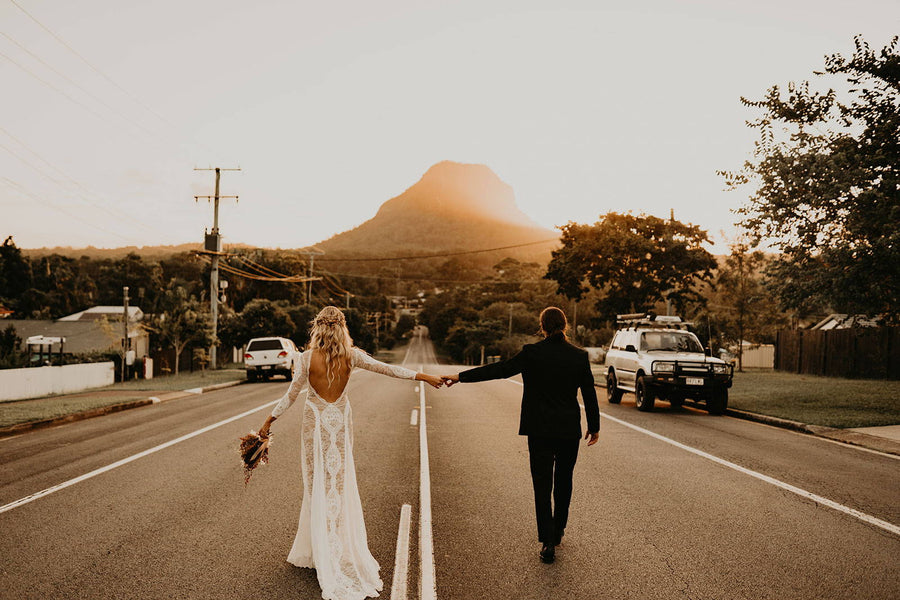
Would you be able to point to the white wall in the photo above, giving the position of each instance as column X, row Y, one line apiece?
column 759, row 357
column 19, row 384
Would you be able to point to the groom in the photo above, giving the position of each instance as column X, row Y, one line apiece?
column 553, row 370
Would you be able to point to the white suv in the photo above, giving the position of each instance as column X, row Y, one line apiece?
column 269, row 356
column 656, row 357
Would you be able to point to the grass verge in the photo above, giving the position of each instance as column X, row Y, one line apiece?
column 827, row 401
column 39, row 409
column 182, row 381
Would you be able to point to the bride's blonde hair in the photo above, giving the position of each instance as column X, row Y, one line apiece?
column 328, row 333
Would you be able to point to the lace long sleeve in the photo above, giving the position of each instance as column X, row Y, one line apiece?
column 301, row 374
column 364, row 361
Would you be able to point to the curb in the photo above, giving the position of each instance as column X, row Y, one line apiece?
column 19, row 428
column 854, row 438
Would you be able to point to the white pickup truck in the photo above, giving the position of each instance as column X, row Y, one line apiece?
column 270, row 356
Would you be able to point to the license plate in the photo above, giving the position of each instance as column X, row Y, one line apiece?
column 270, row 366
column 693, row 380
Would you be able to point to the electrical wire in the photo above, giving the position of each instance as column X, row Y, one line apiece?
column 77, row 85
column 105, row 76
column 22, row 190
column 105, row 209
column 441, row 255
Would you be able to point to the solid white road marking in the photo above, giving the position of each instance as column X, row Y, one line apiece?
column 427, row 587
column 414, row 417
column 131, row 458
column 401, row 562
column 866, row 518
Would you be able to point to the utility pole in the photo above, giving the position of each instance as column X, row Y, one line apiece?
column 311, row 254
column 125, row 327
column 213, row 245
column 575, row 321
column 509, row 332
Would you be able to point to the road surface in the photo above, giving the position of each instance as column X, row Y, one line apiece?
column 669, row 504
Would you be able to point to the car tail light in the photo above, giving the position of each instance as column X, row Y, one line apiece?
column 247, row 355
column 282, row 354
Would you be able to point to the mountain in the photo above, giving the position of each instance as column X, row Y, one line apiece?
column 454, row 207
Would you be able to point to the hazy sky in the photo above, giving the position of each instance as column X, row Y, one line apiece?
column 331, row 108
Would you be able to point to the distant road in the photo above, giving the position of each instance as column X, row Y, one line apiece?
column 651, row 518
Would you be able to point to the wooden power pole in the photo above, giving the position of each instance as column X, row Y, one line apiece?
column 213, row 245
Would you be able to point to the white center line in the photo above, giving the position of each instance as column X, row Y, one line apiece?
column 427, row 587
column 414, row 417
column 866, row 518
column 133, row 457
column 401, row 562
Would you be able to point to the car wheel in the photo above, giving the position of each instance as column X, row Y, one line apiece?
column 718, row 402
column 613, row 393
column 676, row 402
column 251, row 376
column 643, row 395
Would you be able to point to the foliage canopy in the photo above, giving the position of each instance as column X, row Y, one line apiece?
column 826, row 177
column 634, row 261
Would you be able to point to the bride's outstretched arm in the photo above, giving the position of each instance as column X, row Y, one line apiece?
column 364, row 361
column 300, row 377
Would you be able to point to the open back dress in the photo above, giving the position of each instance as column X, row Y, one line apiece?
column 331, row 537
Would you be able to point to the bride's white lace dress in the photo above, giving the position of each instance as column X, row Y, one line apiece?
column 331, row 537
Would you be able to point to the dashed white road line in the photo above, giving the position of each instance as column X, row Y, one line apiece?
column 401, row 561
column 866, row 518
column 414, row 417
column 133, row 457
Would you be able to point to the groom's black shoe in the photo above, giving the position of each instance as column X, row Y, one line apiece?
column 548, row 553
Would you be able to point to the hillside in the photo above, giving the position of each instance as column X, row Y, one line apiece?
column 454, row 207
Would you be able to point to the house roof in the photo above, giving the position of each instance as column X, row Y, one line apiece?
column 110, row 313
column 844, row 321
column 81, row 336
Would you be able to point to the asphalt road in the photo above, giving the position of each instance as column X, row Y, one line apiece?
column 649, row 519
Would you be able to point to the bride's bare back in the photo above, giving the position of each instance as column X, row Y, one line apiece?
column 318, row 377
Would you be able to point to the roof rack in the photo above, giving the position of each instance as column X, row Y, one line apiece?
column 634, row 320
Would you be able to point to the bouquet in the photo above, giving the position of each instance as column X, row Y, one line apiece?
column 254, row 452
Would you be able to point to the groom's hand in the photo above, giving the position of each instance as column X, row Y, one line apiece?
column 593, row 435
column 449, row 380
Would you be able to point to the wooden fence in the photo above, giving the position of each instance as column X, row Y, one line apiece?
column 858, row 353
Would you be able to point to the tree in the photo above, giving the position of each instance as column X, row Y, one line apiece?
column 15, row 274
column 184, row 320
column 405, row 324
column 826, row 174
column 260, row 318
column 11, row 355
column 741, row 304
column 634, row 261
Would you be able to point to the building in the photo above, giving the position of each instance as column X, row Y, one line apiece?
column 97, row 329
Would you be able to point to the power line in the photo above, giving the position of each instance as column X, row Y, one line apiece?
column 23, row 190
column 106, row 209
column 77, row 85
column 432, row 279
column 441, row 255
column 53, row 87
column 134, row 98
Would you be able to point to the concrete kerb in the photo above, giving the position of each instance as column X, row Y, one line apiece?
column 105, row 410
column 845, row 436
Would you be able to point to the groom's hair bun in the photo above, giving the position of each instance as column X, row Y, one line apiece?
column 553, row 320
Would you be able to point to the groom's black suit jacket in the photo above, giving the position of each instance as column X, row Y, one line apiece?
column 553, row 370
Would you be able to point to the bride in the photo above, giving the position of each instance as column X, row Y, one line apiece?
column 331, row 537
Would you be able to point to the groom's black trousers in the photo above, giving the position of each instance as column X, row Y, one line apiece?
column 552, row 463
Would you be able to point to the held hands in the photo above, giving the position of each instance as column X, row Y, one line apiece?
column 432, row 380
column 449, row 380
